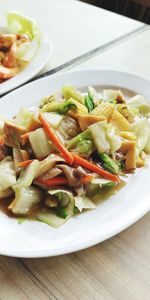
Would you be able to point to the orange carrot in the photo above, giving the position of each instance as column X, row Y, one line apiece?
column 86, row 179
column 93, row 168
column 25, row 163
column 24, row 137
column 55, row 140
column 52, row 181
column 61, row 180
column 1, row 140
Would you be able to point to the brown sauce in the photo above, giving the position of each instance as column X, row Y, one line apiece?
column 99, row 197
column 4, row 204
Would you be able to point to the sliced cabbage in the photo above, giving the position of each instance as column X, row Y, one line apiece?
column 104, row 137
column 93, row 95
column 98, row 131
column 53, row 118
column 69, row 91
column 82, row 144
column 25, row 200
column 48, row 99
column 18, row 23
column 26, row 51
column 62, row 195
column 27, row 175
column 84, row 148
column 51, row 217
column 113, row 138
column 59, row 107
column 83, row 203
column 40, row 143
column 112, row 94
column 138, row 105
column 102, row 182
column 7, row 173
column 83, row 136
column 97, row 184
column 142, row 130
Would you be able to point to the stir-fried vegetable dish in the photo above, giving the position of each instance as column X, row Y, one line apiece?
column 55, row 157
column 18, row 44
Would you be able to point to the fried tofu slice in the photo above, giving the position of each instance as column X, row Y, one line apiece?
column 129, row 149
column 86, row 120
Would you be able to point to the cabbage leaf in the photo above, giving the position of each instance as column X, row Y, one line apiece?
column 83, row 202
column 18, row 23
column 25, row 199
column 138, row 105
column 104, row 137
column 26, row 177
column 7, row 173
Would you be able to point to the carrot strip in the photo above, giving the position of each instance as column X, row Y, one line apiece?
column 61, row 180
column 93, row 168
column 86, row 179
column 1, row 141
column 52, row 181
column 25, row 163
column 55, row 140
column 24, row 137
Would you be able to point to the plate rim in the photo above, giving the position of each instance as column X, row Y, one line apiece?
column 91, row 242
column 70, row 71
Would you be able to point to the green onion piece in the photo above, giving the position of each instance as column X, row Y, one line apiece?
column 61, row 212
column 89, row 103
column 75, row 210
column 108, row 163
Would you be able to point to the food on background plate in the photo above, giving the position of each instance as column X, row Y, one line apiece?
column 55, row 157
column 18, row 44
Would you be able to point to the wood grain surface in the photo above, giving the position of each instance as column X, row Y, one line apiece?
column 116, row 269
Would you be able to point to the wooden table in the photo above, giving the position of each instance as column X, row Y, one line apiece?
column 119, row 269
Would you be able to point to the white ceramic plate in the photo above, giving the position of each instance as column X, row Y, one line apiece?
column 35, row 239
column 34, row 66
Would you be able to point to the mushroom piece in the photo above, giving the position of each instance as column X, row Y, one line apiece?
column 73, row 174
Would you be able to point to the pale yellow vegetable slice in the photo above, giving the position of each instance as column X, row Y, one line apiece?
column 119, row 122
column 104, row 109
column 129, row 149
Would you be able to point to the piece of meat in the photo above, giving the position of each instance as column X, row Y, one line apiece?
column 10, row 60
column 12, row 134
column 73, row 174
column 3, row 152
column 2, row 56
column 48, row 164
column 22, row 37
column 52, row 173
column 6, row 73
column 6, row 40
